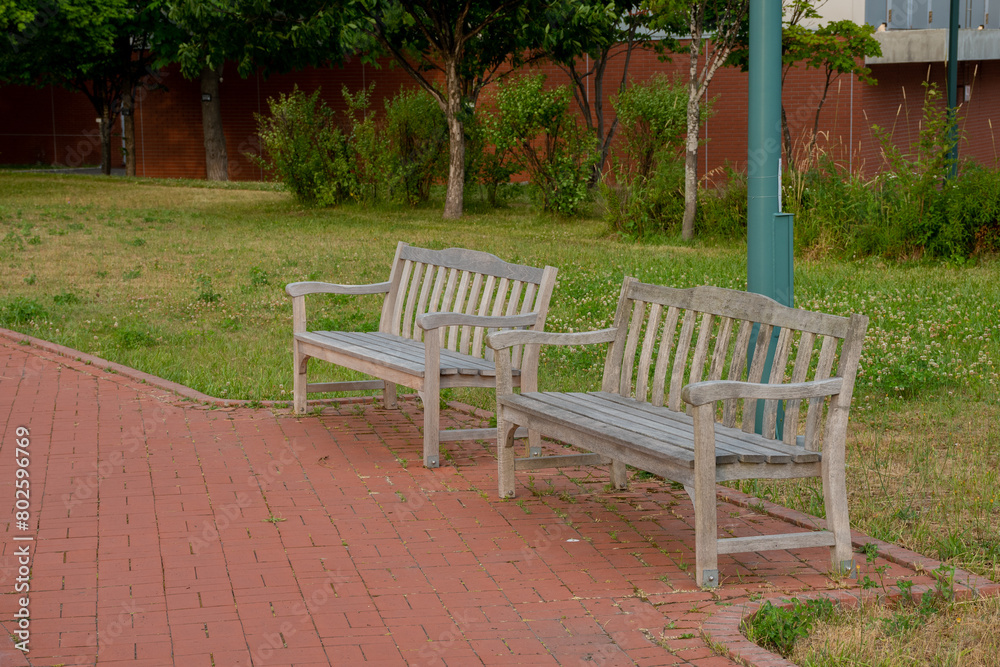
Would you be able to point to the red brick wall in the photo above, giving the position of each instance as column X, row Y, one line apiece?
column 51, row 126
column 56, row 127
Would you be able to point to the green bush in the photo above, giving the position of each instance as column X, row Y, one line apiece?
column 417, row 135
column 909, row 210
column 367, row 145
column 305, row 150
column 722, row 210
column 537, row 128
column 645, row 191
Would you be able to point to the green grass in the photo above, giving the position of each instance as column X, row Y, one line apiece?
column 200, row 301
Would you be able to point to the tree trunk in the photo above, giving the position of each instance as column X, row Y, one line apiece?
column 453, row 203
column 216, row 159
column 128, row 108
column 106, row 119
column 691, row 167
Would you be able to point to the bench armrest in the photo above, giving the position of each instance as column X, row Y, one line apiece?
column 503, row 339
column 700, row 393
column 303, row 288
column 436, row 320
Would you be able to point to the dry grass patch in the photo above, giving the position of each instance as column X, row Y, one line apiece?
column 965, row 634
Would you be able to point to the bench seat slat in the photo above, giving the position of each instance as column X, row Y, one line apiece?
column 773, row 448
column 550, row 407
column 750, row 448
column 679, row 432
column 396, row 352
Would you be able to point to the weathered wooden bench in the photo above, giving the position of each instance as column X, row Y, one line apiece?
column 438, row 307
column 655, row 412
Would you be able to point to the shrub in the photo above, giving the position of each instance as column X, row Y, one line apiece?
column 417, row 134
column 535, row 125
column 646, row 189
column 909, row 210
column 722, row 211
column 367, row 145
column 305, row 150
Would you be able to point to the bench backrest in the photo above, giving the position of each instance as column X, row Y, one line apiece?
column 668, row 338
column 462, row 281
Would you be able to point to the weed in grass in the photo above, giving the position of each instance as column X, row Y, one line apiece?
column 35, row 240
column 231, row 324
column 132, row 274
column 102, row 274
column 65, row 299
column 21, row 310
column 137, row 242
column 779, row 628
column 258, row 277
column 30, row 279
column 132, row 338
column 206, row 293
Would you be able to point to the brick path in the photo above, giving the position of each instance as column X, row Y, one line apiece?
column 174, row 532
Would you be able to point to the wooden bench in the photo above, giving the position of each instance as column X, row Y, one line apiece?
column 659, row 412
column 454, row 296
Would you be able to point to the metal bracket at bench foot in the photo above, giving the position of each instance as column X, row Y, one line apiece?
column 432, row 461
column 534, row 452
column 711, row 579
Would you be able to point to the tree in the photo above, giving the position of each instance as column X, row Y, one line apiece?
column 582, row 40
column 837, row 48
column 464, row 42
column 725, row 21
column 97, row 47
column 271, row 35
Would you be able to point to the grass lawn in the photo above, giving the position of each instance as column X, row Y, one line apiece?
column 185, row 281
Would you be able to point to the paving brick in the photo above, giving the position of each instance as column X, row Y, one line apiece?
column 355, row 573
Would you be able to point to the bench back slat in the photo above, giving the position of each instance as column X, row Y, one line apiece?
column 631, row 345
column 646, row 356
column 663, row 357
column 462, row 281
column 701, row 348
column 824, row 366
column 680, row 354
column 668, row 338
column 803, row 358
column 777, row 376
column 739, row 357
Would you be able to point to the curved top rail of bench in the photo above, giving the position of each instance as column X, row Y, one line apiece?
column 472, row 260
column 741, row 305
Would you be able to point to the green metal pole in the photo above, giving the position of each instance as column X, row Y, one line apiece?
column 764, row 151
column 769, row 232
column 953, row 89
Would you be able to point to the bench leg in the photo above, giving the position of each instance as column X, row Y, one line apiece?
column 299, row 380
column 837, row 519
column 706, row 528
column 619, row 475
column 505, row 456
column 389, row 395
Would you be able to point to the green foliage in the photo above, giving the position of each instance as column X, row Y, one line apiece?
column 535, row 125
column 647, row 193
column 722, row 210
column 206, row 293
column 778, row 628
column 21, row 310
column 417, row 135
column 366, row 144
column 910, row 210
column 305, row 150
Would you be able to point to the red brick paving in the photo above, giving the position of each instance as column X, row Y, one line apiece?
column 172, row 531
